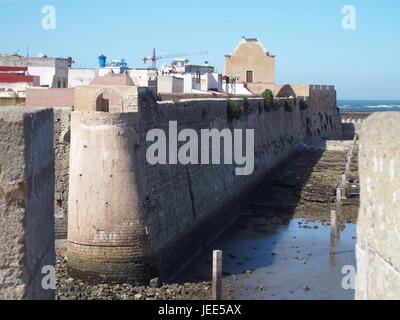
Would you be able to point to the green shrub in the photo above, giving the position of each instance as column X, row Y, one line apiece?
column 233, row 110
column 289, row 105
column 268, row 99
column 303, row 104
column 246, row 104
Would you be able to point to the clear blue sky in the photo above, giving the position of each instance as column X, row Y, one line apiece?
column 307, row 37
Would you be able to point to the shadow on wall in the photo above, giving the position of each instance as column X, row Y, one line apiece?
column 102, row 104
column 349, row 131
column 286, row 91
column 274, row 201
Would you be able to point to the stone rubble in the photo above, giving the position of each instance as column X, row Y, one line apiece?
column 72, row 289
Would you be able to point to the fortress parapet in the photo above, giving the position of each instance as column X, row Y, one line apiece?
column 130, row 220
column 107, row 235
column 107, row 238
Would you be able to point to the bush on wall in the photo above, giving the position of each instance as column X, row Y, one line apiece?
column 289, row 105
column 268, row 99
column 246, row 104
column 234, row 111
column 303, row 104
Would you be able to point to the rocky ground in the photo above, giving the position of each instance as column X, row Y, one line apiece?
column 354, row 115
column 305, row 187
column 73, row 289
column 302, row 187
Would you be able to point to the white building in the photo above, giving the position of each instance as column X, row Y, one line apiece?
column 169, row 84
column 143, row 77
column 81, row 76
column 53, row 72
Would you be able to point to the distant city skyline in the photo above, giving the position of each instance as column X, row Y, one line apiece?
column 308, row 38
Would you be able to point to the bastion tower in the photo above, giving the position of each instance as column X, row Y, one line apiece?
column 107, row 234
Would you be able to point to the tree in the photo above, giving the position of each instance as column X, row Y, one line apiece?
column 70, row 61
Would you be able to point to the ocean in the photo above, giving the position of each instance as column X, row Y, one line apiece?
column 368, row 105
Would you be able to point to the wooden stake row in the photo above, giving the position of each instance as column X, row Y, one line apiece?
column 340, row 196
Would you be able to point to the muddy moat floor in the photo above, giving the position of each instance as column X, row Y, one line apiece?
column 305, row 187
column 298, row 194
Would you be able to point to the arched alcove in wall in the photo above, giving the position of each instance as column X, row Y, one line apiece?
column 107, row 99
column 286, row 91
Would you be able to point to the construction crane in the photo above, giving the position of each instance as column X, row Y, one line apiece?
column 154, row 57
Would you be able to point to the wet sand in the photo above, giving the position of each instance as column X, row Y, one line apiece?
column 279, row 248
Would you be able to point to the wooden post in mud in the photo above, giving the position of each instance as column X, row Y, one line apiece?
column 339, row 197
column 340, row 194
column 333, row 232
column 347, row 170
column 217, row 275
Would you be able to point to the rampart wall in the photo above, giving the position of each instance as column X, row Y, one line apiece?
column 62, row 137
column 378, row 233
column 352, row 123
column 26, row 202
column 129, row 220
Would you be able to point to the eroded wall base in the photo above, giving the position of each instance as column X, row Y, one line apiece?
column 378, row 234
column 26, row 202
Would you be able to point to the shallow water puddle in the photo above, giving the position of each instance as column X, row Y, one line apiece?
column 263, row 260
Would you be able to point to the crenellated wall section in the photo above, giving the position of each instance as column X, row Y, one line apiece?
column 131, row 221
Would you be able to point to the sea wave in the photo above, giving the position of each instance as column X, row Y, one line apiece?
column 382, row 107
column 378, row 106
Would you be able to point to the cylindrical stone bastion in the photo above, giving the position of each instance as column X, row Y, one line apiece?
column 107, row 235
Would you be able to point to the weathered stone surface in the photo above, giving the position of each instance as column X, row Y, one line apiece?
column 107, row 237
column 62, row 136
column 127, row 216
column 26, row 201
column 379, row 219
column 86, row 97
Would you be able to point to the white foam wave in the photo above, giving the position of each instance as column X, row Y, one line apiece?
column 382, row 106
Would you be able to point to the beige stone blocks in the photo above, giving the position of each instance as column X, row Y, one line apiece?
column 26, row 201
column 378, row 227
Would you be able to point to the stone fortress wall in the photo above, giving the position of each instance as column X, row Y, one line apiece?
column 62, row 135
column 129, row 220
column 378, row 234
column 352, row 123
column 26, row 202
column 132, row 221
column 315, row 95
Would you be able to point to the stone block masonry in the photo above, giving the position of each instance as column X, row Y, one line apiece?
column 62, row 136
column 106, row 222
column 378, row 228
column 26, row 201
column 129, row 220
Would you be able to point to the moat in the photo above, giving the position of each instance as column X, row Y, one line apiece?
column 278, row 249
column 273, row 261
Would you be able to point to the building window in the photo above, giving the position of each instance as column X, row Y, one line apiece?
column 64, row 84
column 249, row 76
column 58, row 84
